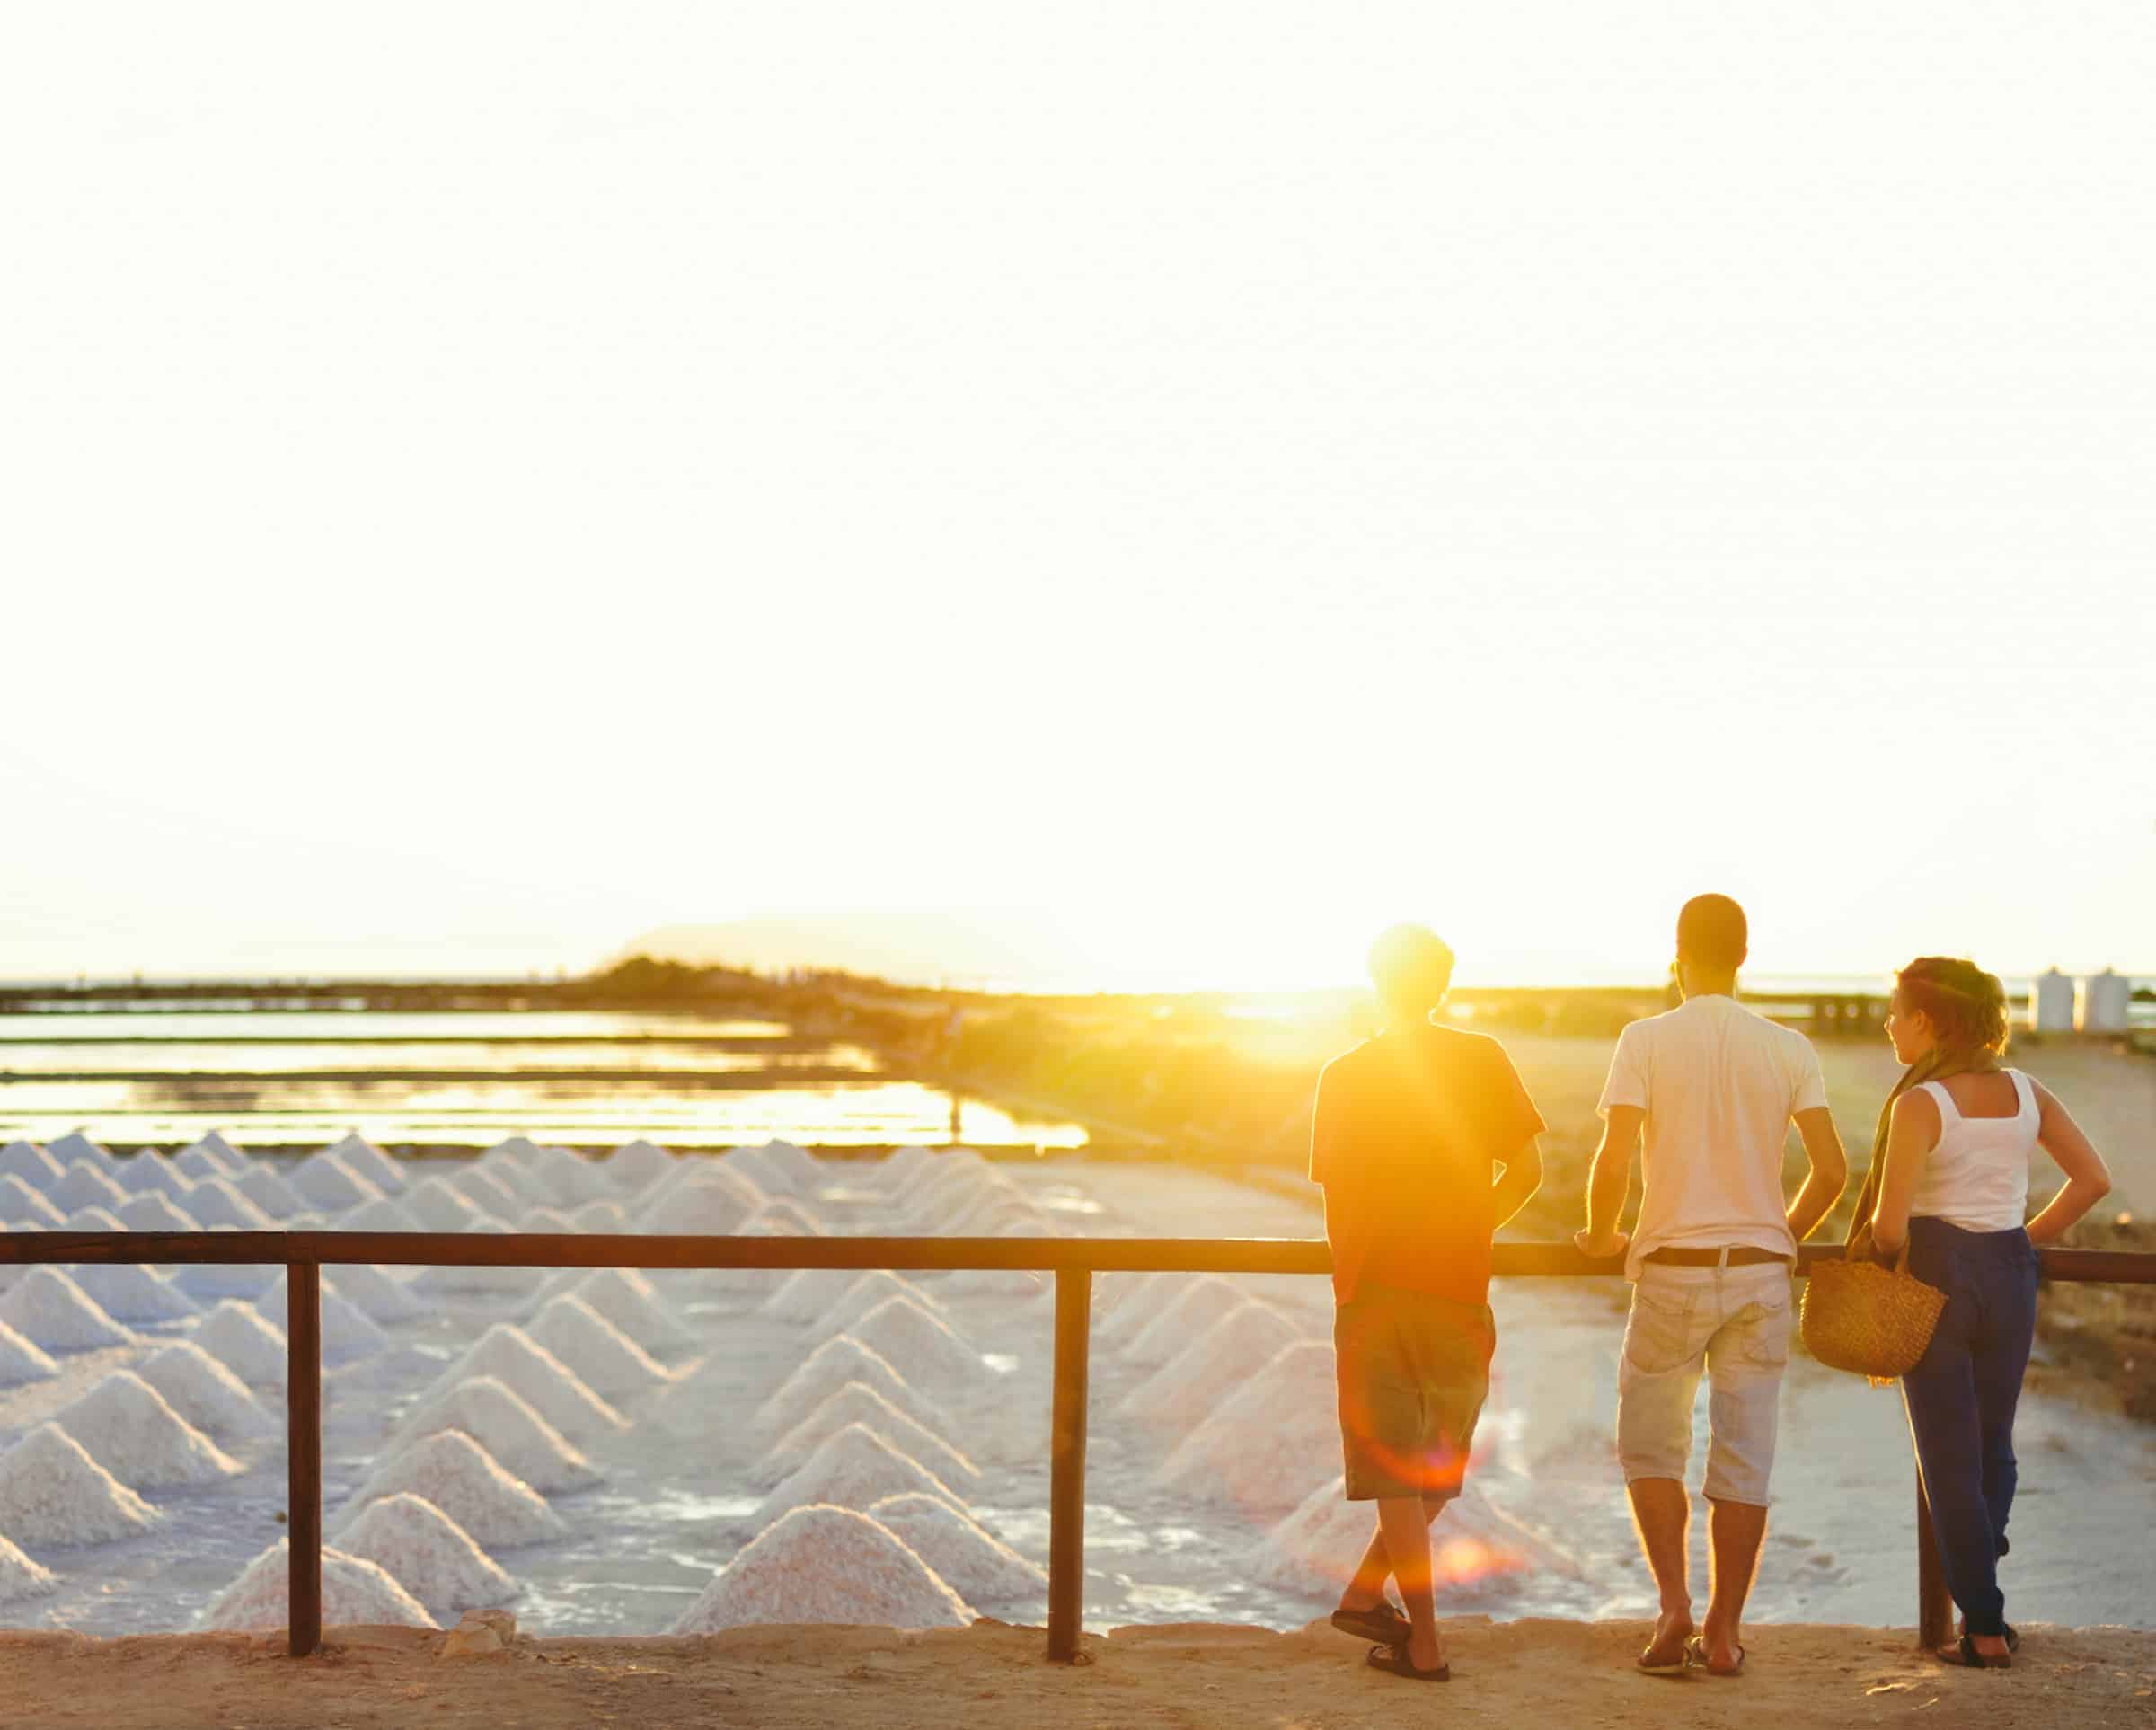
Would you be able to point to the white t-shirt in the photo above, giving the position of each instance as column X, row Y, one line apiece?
column 1719, row 1085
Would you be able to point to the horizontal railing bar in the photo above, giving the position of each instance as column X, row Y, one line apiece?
column 1027, row 1254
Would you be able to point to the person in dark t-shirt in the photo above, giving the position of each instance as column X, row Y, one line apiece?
column 1425, row 1142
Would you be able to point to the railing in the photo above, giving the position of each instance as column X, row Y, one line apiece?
column 1073, row 1260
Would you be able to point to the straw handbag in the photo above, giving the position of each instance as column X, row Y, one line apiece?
column 1872, row 1320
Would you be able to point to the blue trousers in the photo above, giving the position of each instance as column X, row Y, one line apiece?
column 1961, row 1398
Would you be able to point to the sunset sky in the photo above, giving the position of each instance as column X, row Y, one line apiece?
column 1191, row 483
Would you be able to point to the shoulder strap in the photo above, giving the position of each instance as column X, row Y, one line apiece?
column 1949, row 1112
column 2025, row 1093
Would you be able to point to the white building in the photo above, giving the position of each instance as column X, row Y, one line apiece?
column 2050, row 1003
column 2104, row 1004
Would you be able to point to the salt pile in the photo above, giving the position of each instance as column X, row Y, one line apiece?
column 154, row 1211
column 93, row 1219
column 1189, row 1316
column 485, row 1191
column 1473, row 1546
column 20, row 1577
column 380, row 1215
column 198, row 1166
column 608, row 1362
column 712, row 1203
column 1270, row 1444
column 860, row 1299
column 85, row 1185
column 214, row 1202
column 215, row 1147
column 70, row 1149
column 599, row 1216
column 772, row 1178
column 826, row 1565
column 1183, row 1391
column 461, row 1479
column 364, row 1160
column 810, row 1293
column 552, row 1389
column 829, row 1369
column 970, row 1559
column 853, row 1469
column 346, row 1332
column 31, row 1163
column 544, row 1218
column 128, row 1291
column 54, row 1495
column 378, row 1294
column 923, row 1348
column 22, row 1361
column 797, row 1162
column 20, row 1203
column 354, row 1592
column 206, row 1394
column 440, row 1205
column 252, row 1349
column 328, row 1185
column 631, row 1303
column 50, row 1309
column 857, row 1403
column 431, row 1556
column 784, row 1219
column 901, row 1164
column 995, row 1282
column 145, row 1171
column 1117, row 1324
column 567, row 1176
column 524, row 1444
column 637, row 1165
column 131, row 1430
column 208, row 1281
column 268, row 1192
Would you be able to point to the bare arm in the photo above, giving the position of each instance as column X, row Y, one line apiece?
column 1521, row 1175
column 2088, row 1178
column 1910, row 1139
column 1610, row 1182
column 1829, row 1173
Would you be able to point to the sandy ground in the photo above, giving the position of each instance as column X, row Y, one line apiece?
column 996, row 1674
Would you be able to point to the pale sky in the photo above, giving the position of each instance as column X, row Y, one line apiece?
column 483, row 480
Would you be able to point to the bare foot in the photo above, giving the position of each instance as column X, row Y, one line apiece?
column 1666, row 1650
column 1725, row 1654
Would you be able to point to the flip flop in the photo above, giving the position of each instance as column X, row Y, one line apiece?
column 1381, row 1622
column 1394, row 1658
column 1683, row 1663
column 1695, row 1655
column 1971, row 1658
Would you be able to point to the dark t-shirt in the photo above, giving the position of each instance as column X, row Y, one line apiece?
column 1405, row 1134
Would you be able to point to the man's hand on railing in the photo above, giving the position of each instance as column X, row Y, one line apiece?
column 1604, row 1248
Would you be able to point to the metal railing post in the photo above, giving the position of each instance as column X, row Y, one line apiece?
column 1066, row 1462
column 302, row 1406
column 1934, row 1603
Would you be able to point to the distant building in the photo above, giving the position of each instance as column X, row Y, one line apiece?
column 2104, row 1004
column 2050, row 1003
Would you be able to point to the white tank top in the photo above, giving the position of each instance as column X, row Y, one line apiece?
column 1977, row 1177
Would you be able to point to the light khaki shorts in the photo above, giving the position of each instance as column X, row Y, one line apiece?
column 1735, row 1323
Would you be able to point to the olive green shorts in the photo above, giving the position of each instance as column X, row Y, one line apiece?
column 1413, row 1371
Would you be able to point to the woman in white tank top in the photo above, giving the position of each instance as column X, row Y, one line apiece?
column 1955, row 1191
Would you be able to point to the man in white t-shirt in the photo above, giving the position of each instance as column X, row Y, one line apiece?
column 1715, row 1088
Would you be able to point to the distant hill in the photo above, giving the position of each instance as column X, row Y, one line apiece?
column 914, row 949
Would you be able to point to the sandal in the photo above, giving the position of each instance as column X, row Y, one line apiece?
column 1394, row 1658
column 1675, row 1667
column 1380, row 1622
column 1695, row 1654
column 1974, row 1660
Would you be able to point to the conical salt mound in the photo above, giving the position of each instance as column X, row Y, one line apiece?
column 140, row 1173
column 827, row 1369
column 860, row 1299
column 786, row 1218
column 1269, row 1444
column 524, row 1444
column 86, row 1186
column 637, row 1165
column 1187, row 1388
column 206, row 1394
column 545, row 1219
column 920, row 1345
column 380, row 1215
column 900, row 1166
column 570, row 1179
column 810, row 1293
column 429, row 1554
column 95, row 1219
column 53, row 1494
column 254, row 1350
column 631, row 1303
column 440, row 1205
column 555, row 1391
column 154, row 1211
column 270, row 1192
column 128, row 1291
column 31, row 1163
column 51, row 1310
column 355, row 1593
column 215, row 1202
column 1475, row 1548
column 600, row 1215
column 851, row 1469
column 21, row 1205
column 69, row 1149
column 1186, row 1319
column 20, row 1579
column 711, row 1204
column 485, row 1191
column 131, row 1430
column 611, row 1365
column 772, row 1179
column 215, row 1147
column 197, row 1166
column 207, row 1281
column 976, row 1564
column 363, row 1158
column 377, row 1294
column 461, row 1479
column 346, row 1332
column 797, row 1162
column 1011, row 1283
column 856, row 1403
column 329, row 1185
column 826, row 1565
column 22, row 1361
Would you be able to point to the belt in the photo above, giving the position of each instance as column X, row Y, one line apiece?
column 1715, row 1258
